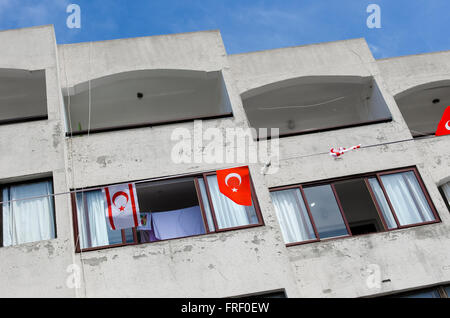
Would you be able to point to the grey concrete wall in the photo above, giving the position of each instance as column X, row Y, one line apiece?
column 226, row 264
column 409, row 258
column 31, row 150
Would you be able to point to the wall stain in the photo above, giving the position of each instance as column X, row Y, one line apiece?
column 95, row 261
column 103, row 162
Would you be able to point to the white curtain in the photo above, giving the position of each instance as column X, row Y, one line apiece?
column 407, row 198
column 229, row 214
column 384, row 206
column 92, row 224
column 446, row 189
column 292, row 216
column 30, row 220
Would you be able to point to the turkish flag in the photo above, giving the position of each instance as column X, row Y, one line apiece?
column 122, row 209
column 444, row 124
column 235, row 184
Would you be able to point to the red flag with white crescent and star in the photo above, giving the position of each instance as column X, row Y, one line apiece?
column 235, row 184
column 122, row 209
column 444, row 124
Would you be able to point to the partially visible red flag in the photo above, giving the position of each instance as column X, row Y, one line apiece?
column 235, row 184
column 122, row 209
column 444, row 124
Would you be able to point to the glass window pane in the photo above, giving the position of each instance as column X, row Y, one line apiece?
column 446, row 189
column 172, row 209
column 407, row 198
column 382, row 203
column 93, row 227
column 359, row 208
column 129, row 236
column 447, row 290
column 29, row 220
column 229, row 214
column 292, row 216
column 422, row 294
column 325, row 211
column 206, row 207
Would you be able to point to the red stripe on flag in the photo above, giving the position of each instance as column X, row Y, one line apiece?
column 133, row 205
column 108, row 200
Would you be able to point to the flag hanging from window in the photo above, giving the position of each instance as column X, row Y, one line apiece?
column 122, row 209
column 235, row 184
column 444, row 124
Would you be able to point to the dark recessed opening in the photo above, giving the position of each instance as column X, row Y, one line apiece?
column 436, row 100
column 140, row 95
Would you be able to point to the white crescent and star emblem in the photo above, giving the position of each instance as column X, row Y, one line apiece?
column 447, row 125
column 233, row 175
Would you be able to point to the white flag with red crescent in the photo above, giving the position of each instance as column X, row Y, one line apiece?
column 122, row 208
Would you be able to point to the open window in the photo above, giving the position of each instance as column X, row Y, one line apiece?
column 352, row 206
column 170, row 209
column 27, row 212
column 145, row 98
column 422, row 107
column 317, row 103
column 23, row 95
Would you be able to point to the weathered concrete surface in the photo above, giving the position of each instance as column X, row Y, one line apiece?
column 36, row 149
column 237, row 262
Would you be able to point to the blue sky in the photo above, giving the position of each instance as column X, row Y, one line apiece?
column 408, row 26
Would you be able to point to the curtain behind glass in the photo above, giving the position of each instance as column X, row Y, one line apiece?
column 407, row 198
column 446, row 189
column 292, row 216
column 31, row 220
column 229, row 214
column 382, row 203
column 92, row 225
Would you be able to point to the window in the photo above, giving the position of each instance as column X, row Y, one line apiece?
column 352, row 206
column 145, row 98
column 27, row 213
column 172, row 208
column 435, row 292
column 23, row 95
column 316, row 103
column 445, row 191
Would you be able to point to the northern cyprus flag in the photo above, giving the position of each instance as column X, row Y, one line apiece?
column 122, row 209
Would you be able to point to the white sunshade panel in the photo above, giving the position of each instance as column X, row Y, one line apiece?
column 22, row 94
column 147, row 98
column 302, row 107
column 423, row 109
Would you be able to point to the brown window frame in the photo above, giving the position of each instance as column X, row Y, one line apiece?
column 364, row 176
column 201, row 202
column 444, row 197
column 9, row 184
column 440, row 289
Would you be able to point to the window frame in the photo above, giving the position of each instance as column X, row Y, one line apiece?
column 28, row 181
column 365, row 177
column 201, row 202
column 440, row 289
column 444, row 197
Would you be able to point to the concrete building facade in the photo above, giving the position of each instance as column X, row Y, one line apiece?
column 93, row 133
